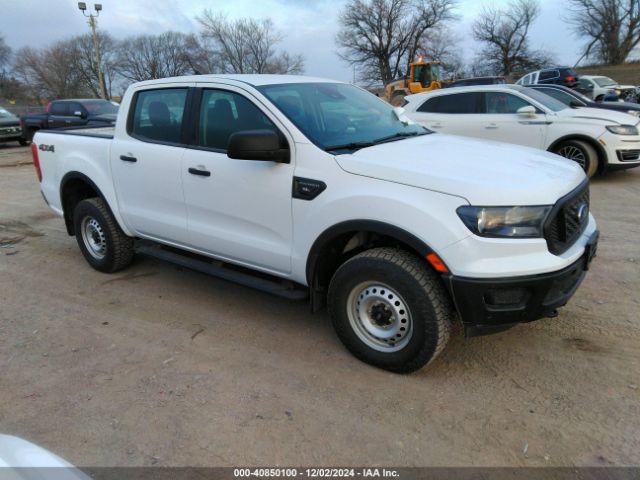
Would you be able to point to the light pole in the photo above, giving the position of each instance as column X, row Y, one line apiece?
column 96, row 48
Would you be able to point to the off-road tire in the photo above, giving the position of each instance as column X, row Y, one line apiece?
column 119, row 249
column 591, row 156
column 422, row 291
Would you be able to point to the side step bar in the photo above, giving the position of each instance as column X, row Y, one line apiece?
column 243, row 276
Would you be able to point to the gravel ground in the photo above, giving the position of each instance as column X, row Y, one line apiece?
column 158, row 365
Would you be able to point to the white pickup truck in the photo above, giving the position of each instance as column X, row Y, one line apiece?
column 308, row 187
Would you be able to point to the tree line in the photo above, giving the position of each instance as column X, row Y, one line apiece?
column 378, row 38
column 67, row 68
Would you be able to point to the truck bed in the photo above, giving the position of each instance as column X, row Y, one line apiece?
column 98, row 131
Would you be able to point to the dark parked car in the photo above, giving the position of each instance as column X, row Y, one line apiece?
column 71, row 113
column 557, row 76
column 572, row 98
column 465, row 82
column 10, row 130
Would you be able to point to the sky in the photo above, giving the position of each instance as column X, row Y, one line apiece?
column 309, row 26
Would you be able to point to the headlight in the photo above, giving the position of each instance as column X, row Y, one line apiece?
column 504, row 222
column 623, row 129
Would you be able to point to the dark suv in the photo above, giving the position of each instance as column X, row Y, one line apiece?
column 559, row 76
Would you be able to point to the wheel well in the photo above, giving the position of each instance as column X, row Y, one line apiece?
column 602, row 155
column 339, row 244
column 74, row 189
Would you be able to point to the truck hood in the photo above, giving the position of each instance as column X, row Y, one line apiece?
column 482, row 172
column 9, row 122
column 611, row 117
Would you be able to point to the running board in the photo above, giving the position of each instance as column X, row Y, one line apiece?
column 244, row 276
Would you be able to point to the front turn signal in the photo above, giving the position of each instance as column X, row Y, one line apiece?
column 435, row 261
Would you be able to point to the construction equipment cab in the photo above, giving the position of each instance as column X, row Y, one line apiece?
column 423, row 77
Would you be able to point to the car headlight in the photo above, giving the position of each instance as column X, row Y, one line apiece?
column 623, row 129
column 505, row 222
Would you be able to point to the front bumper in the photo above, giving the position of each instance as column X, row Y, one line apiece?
column 490, row 305
column 622, row 151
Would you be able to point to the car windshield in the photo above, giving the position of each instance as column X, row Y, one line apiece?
column 5, row 113
column 100, row 107
column 604, row 81
column 544, row 99
column 337, row 116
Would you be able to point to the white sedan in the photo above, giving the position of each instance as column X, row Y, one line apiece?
column 597, row 139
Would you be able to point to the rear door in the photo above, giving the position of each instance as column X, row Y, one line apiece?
column 238, row 210
column 77, row 114
column 501, row 121
column 59, row 115
column 146, row 157
column 455, row 113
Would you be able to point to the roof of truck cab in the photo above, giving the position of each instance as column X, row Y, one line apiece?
column 254, row 80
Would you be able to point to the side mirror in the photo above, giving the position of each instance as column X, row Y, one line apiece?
column 257, row 145
column 79, row 113
column 528, row 111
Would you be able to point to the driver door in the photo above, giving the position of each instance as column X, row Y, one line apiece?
column 237, row 210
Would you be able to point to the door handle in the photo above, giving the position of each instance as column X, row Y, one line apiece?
column 197, row 171
column 125, row 158
column 491, row 126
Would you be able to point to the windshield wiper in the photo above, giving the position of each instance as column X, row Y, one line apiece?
column 349, row 146
column 359, row 145
column 397, row 136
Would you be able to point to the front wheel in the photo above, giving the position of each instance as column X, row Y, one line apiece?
column 390, row 309
column 101, row 240
column 580, row 152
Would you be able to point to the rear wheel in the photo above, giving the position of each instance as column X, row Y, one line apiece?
column 101, row 240
column 580, row 152
column 390, row 309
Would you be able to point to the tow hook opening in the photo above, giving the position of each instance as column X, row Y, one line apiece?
column 552, row 314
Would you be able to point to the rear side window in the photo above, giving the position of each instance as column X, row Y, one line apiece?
column 223, row 113
column 457, row 103
column 501, row 102
column 59, row 108
column 548, row 74
column 158, row 115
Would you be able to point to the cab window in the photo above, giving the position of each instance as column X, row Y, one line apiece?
column 157, row 115
column 59, row 108
column 223, row 113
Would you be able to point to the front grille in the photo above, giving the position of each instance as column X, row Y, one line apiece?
column 628, row 155
column 567, row 220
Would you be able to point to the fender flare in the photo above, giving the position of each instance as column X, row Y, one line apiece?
column 74, row 175
column 371, row 226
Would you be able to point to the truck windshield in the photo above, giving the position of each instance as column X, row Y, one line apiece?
column 100, row 107
column 5, row 114
column 338, row 116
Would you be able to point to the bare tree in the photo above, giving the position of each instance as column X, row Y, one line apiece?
column 84, row 61
column 245, row 45
column 504, row 33
column 441, row 45
column 50, row 72
column 611, row 28
column 381, row 37
column 146, row 57
column 5, row 57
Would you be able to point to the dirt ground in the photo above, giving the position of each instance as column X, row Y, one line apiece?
column 158, row 365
